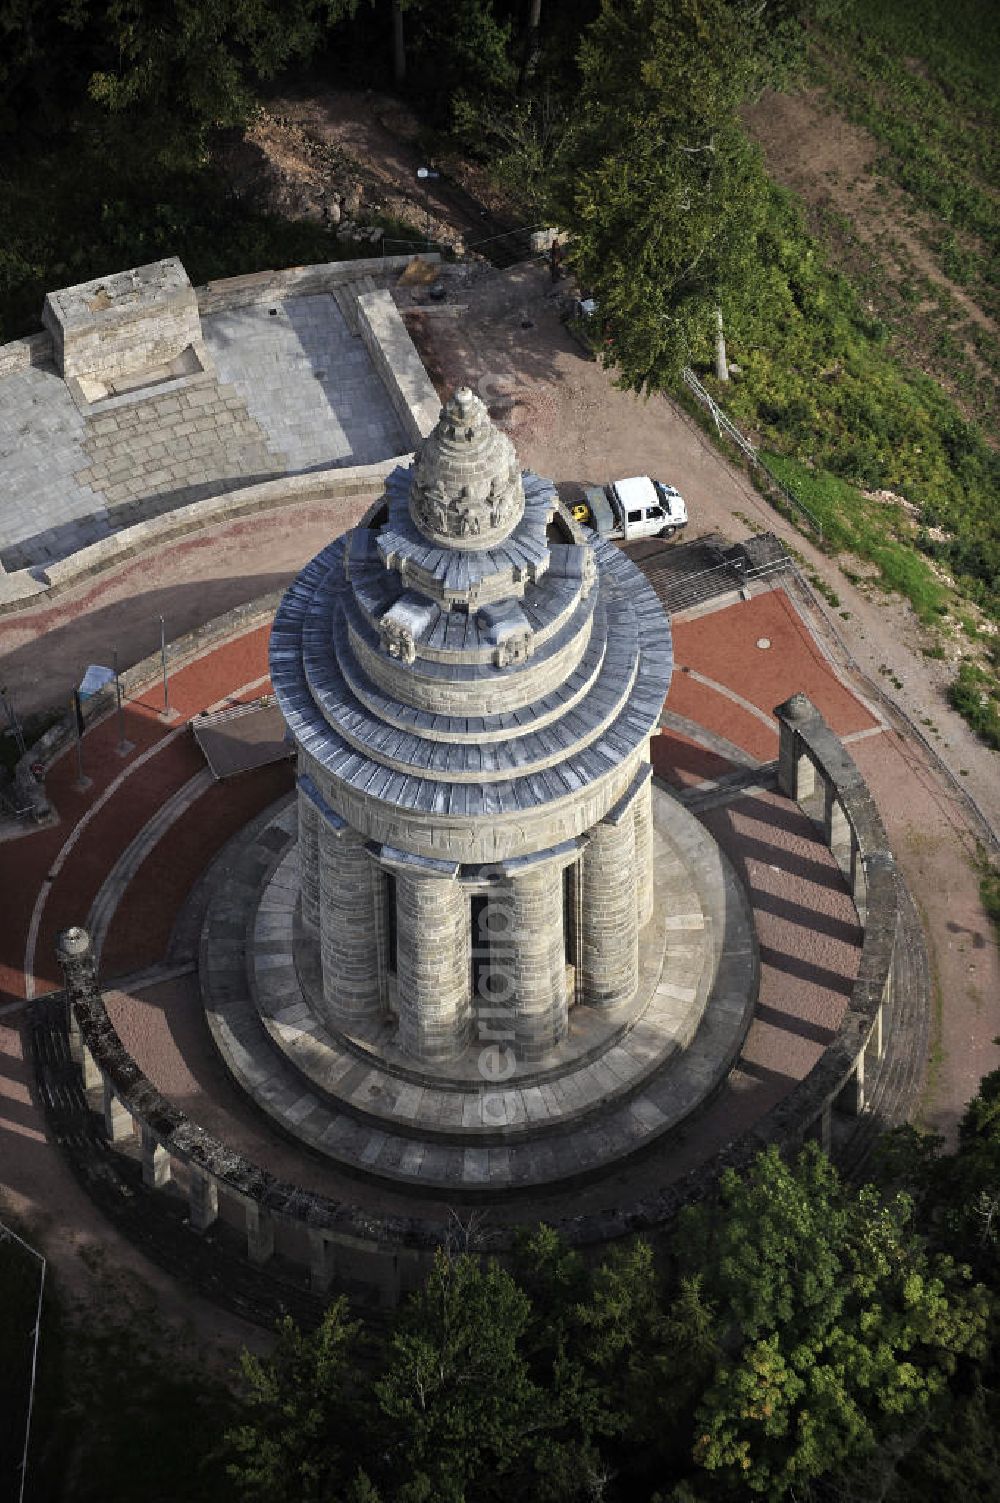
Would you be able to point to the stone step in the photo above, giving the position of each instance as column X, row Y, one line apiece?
column 408, row 1157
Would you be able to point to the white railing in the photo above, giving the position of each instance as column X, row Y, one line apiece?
column 724, row 425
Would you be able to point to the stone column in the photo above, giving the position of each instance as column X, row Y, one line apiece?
column 156, row 1166
column 836, row 827
column 203, row 1199
column 90, row 1070
column 433, row 965
column 858, row 881
column 348, row 938
column 852, row 1094
column 642, row 806
column 260, row 1233
column 796, row 772
column 534, row 958
column 118, row 1124
column 322, row 1261
column 610, row 913
column 309, row 862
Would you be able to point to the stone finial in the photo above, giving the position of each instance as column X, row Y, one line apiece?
column 73, row 944
column 466, row 491
column 798, row 707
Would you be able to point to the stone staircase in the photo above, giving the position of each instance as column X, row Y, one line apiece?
column 181, row 446
column 688, row 575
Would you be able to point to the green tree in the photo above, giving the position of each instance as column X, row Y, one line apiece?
column 592, row 1343
column 457, row 1394
column 456, row 50
column 836, row 1329
column 171, row 70
column 664, row 193
column 298, row 1442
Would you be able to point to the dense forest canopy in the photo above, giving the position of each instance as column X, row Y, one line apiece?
column 797, row 1339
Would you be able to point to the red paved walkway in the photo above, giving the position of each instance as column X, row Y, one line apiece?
column 723, row 647
column 804, row 918
column 100, row 824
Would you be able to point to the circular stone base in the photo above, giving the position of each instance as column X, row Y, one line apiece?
column 611, row 1089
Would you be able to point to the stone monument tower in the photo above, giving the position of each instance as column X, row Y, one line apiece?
column 471, row 680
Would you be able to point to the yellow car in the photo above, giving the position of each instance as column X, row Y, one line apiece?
column 580, row 512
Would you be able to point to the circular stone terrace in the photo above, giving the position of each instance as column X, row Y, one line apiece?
column 764, row 1009
column 156, row 850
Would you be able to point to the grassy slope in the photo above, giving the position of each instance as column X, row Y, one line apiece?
column 826, row 386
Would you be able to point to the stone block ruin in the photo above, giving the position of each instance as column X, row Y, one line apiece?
column 117, row 334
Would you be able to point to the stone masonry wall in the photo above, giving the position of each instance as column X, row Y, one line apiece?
column 468, row 840
column 394, row 356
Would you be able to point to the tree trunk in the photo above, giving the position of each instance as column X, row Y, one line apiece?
column 398, row 43
column 721, row 364
column 531, row 45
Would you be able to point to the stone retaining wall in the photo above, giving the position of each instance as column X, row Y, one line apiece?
column 297, row 281
column 394, row 356
column 392, row 1253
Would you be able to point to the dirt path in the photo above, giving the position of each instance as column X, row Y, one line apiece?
column 381, row 137
column 874, row 232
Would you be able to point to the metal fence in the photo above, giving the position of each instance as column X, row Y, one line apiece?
column 725, row 426
column 32, row 1335
column 515, row 244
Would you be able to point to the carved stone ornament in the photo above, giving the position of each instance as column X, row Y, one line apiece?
column 515, row 648
column 466, row 490
column 397, row 641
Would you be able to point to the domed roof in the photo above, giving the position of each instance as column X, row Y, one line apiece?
column 466, row 491
column 505, row 679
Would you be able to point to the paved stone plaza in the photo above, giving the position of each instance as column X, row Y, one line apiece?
column 279, row 388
